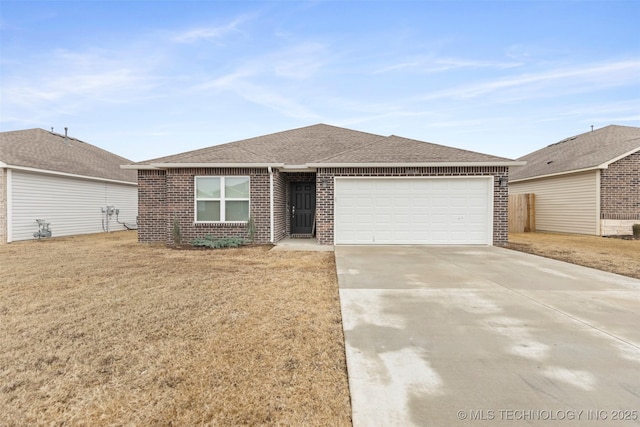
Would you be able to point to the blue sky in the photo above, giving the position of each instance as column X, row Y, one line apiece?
column 145, row 79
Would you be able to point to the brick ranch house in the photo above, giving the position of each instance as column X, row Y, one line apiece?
column 342, row 186
column 585, row 184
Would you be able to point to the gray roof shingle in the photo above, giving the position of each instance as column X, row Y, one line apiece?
column 397, row 150
column 41, row 149
column 325, row 144
column 585, row 151
column 291, row 147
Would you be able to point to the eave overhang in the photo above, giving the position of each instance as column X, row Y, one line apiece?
column 65, row 174
column 414, row 165
column 312, row 167
column 549, row 175
column 155, row 166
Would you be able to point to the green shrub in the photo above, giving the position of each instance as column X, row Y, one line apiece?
column 636, row 230
column 224, row 242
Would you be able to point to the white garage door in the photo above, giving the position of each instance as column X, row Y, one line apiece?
column 428, row 211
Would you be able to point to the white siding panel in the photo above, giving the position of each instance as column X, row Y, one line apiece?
column 70, row 205
column 566, row 203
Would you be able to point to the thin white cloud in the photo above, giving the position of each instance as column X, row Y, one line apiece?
column 213, row 33
column 300, row 61
column 272, row 79
column 585, row 78
column 66, row 82
column 434, row 65
column 261, row 94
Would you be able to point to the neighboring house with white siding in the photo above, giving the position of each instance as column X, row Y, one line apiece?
column 585, row 184
column 65, row 181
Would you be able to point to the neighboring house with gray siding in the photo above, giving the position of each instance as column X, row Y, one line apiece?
column 341, row 185
column 585, row 184
column 65, row 181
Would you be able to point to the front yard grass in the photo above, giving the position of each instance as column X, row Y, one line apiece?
column 603, row 253
column 101, row 330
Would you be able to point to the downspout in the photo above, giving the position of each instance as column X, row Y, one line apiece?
column 271, row 237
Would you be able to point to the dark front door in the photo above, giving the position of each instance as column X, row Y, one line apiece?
column 303, row 207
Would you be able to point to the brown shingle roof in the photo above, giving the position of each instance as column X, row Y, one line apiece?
column 41, row 149
column 585, row 151
column 324, row 144
column 398, row 150
column 291, row 147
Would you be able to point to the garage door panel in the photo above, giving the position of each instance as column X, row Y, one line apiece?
column 413, row 210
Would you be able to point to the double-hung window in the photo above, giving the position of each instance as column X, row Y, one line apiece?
column 222, row 198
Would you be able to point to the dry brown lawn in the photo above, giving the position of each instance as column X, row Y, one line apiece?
column 603, row 253
column 101, row 330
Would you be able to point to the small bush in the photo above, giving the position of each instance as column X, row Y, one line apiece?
column 224, row 242
column 636, row 230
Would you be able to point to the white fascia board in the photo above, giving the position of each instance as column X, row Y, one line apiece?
column 615, row 159
column 413, row 165
column 70, row 175
column 3, row 165
column 297, row 168
column 214, row 165
column 137, row 167
column 549, row 175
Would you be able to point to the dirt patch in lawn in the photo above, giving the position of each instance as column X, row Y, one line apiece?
column 603, row 253
column 101, row 330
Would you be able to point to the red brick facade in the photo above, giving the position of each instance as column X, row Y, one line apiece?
column 167, row 197
column 620, row 189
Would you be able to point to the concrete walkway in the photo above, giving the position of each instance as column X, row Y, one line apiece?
column 484, row 336
column 307, row 245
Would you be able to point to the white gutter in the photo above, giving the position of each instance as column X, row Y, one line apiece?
column 558, row 174
column 138, row 167
column 297, row 168
column 413, row 165
column 70, row 175
column 201, row 165
column 310, row 167
column 271, row 221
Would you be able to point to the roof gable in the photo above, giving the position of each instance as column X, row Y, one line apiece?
column 44, row 150
column 590, row 150
column 321, row 145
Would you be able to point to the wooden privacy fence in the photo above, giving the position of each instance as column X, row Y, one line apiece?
column 522, row 213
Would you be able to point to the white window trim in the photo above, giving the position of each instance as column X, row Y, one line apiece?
column 222, row 199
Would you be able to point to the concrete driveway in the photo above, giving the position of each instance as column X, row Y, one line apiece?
column 446, row 336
